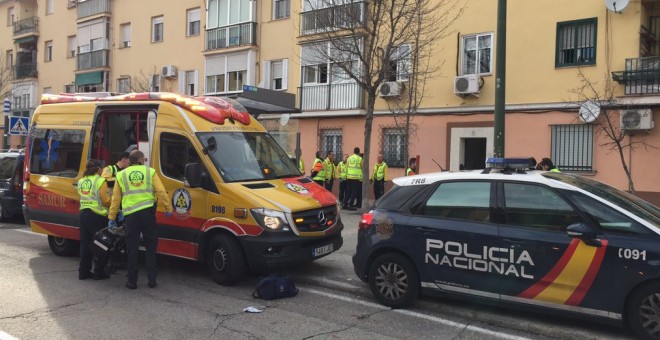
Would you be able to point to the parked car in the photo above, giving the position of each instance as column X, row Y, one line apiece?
column 544, row 240
column 11, row 184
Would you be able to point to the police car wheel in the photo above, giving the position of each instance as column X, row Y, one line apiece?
column 393, row 280
column 63, row 247
column 643, row 311
column 224, row 260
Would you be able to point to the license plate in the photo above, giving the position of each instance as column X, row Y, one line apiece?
column 323, row 250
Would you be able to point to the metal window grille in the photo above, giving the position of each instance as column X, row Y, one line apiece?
column 576, row 42
column 573, row 147
column 331, row 141
column 282, row 138
column 394, row 147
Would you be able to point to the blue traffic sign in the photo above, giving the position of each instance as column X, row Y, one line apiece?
column 19, row 125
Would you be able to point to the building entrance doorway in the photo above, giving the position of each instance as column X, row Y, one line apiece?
column 475, row 153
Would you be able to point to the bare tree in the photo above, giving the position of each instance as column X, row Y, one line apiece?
column 6, row 76
column 366, row 43
column 143, row 82
column 604, row 111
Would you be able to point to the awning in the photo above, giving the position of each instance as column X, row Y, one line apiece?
column 89, row 78
column 25, row 40
column 257, row 101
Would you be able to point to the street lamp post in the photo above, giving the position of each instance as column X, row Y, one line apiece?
column 500, row 78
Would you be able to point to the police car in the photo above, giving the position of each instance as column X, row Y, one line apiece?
column 542, row 239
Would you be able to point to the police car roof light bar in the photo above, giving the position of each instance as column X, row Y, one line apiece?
column 508, row 165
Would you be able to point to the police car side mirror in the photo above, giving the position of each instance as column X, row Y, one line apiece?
column 584, row 232
column 193, row 174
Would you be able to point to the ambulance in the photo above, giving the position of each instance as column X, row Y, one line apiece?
column 239, row 202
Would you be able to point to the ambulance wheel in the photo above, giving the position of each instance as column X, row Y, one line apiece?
column 393, row 280
column 643, row 311
column 63, row 247
column 225, row 260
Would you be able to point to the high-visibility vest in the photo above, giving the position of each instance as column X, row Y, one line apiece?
column 354, row 167
column 137, row 188
column 342, row 170
column 320, row 176
column 90, row 198
column 555, row 170
column 301, row 166
column 410, row 172
column 329, row 169
column 379, row 171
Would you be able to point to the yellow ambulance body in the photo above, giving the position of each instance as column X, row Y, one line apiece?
column 239, row 201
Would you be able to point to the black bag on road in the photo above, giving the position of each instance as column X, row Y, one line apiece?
column 275, row 287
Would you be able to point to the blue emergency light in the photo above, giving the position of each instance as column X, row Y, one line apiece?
column 508, row 163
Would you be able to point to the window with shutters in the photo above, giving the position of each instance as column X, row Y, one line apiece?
column 71, row 46
column 50, row 7
column 125, row 35
column 576, row 42
column 157, row 29
column 191, row 83
column 236, row 80
column 281, row 9
column 276, row 75
column 124, row 85
column 193, row 20
column 573, row 147
column 48, row 51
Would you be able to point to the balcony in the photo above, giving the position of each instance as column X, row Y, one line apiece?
column 351, row 15
column 231, row 36
column 29, row 25
column 93, row 59
column 341, row 96
column 641, row 76
column 26, row 70
column 93, row 7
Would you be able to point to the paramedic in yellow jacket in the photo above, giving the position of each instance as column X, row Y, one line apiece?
column 94, row 203
column 138, row 190
column 379, row 176
column 330, row 169
column 110, row 172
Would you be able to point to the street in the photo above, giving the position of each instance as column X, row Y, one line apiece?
column 42, row 299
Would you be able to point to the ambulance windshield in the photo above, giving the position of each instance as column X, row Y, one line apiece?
column 248, row 156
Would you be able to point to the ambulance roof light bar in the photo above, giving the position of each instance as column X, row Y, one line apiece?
column 213, row 109
column 508, row 165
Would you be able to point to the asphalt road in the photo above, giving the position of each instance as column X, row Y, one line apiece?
column 42, row 299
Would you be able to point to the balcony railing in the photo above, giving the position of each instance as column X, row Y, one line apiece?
column 333, row 18
column 27, row 70
column 342, row 96
column 230, row 36
column 93, row 59
column 26, row 26
column 641, row 76
column 93, row 7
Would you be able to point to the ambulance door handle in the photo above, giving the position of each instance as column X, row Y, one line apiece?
column 425, row 230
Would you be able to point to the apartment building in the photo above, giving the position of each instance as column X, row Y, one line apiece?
column 214, row 47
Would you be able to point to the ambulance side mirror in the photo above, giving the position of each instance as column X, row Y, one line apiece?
column 584, row 232
column 193, row 174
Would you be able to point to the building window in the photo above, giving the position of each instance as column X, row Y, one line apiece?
column 9, row 59
column 190, row 83
column 228, row 12
column 394, row 147
column 48, row 90
column 70, row 88
column 215, row 83
column 277, row 75
column 157, row 29
column 331, row 141
column 71, row 46
column 50, row 7
column 281, row 9
column 399, row 64
column 124, row 85
column 573, row 147
column 477, row 54
column 125, row 35
column 236, row 80
column 48, row 51
column 315, row 74
column 194, row 19
column 154, row 86
column 10, row 16
column 576, row 42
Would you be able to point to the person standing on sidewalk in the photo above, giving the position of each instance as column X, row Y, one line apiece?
column 354, row 179
column 379, row 176
column 137, row 188
column 329, row 166
column 341, row 174
column 411, row 167
column 94, row 203
column 318, row 170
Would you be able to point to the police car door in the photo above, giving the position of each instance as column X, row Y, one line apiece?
column 452, row 237
column 539, row 263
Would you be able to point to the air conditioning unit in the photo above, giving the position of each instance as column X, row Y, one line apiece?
column 169, row 71
column 390, row 89
column 467, row 84
column 637, row 119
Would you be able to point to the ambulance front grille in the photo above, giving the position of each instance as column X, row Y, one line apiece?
column 311, row 219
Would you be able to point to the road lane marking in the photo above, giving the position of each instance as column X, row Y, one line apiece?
column 29, row 232
column 417, row 315
column 5, row 336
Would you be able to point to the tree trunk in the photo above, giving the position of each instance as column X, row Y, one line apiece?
column 368, row 121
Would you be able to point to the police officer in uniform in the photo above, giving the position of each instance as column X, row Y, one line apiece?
column 379, row 176
column 137, row 188
column 110, row 171
column 354, row 180
column 318, row 170
column 94, row 203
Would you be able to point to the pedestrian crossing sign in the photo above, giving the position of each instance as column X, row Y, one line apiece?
column 18, row 126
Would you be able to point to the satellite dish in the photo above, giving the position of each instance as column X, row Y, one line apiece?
column 616, row 6
column 284, row 118
column 589, row 111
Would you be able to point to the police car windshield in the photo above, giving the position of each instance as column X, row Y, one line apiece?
column 632, row 203
column 248, row 156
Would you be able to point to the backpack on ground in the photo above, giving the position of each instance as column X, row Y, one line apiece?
column 275, row 287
